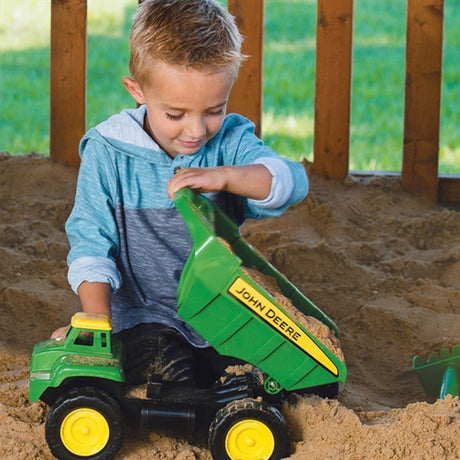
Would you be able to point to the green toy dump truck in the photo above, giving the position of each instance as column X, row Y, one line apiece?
column 81, row 375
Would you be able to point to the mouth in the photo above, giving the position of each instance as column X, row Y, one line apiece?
column 191, row 144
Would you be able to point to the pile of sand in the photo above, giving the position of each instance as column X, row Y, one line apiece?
column 382, row 264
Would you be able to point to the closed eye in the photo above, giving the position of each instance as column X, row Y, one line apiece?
column 174, row 117
column 216, row 113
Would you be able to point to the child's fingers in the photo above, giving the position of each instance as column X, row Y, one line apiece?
column 191, row 177
column 61, row 332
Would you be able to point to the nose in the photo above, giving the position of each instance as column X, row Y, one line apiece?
column 195, row 127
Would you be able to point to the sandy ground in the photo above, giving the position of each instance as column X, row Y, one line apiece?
column 383, row 265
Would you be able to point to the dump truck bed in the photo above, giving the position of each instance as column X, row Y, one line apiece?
column 238, row 316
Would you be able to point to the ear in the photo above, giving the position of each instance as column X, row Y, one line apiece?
column 134, row 89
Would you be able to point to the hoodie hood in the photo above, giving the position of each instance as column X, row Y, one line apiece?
column 124, row 132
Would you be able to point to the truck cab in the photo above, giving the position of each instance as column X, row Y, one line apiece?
column 86, row 350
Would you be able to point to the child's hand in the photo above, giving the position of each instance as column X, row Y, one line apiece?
column 61, row 332
column 251, row 181
column 200, row 179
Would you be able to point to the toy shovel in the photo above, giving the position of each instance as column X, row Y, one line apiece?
column 440, row 373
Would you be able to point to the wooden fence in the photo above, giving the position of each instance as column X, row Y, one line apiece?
column 420, row 153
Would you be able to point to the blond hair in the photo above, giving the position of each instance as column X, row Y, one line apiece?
column 200, row 34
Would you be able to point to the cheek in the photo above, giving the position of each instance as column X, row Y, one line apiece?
column 164, row 128
column 214, row 124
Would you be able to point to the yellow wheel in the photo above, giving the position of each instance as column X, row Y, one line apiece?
column 85, row 432
column 84, row 423
column 247, row 429
column 249, row 439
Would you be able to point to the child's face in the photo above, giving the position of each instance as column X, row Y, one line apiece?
column 185, row 107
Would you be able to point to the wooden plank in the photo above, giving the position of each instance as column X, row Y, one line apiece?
column 422, row 97
column 333, row 88
column 247, row 93
column 449, row 189
column 448, row 184
column 67, row 79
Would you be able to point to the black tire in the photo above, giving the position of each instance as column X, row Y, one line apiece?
column 84, row 423
column 248, row 430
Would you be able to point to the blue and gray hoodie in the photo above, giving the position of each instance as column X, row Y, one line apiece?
column 124, row 230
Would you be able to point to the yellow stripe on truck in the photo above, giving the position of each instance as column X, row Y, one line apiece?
column 272, row 315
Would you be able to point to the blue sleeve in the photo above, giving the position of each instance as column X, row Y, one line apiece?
column 289, row 184
column 91, row 227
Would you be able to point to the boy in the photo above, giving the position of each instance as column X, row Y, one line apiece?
column 128, row 242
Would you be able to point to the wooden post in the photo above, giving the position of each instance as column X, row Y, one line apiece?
column 333, row 88
column 422, row 97
column 247, row 93
column 67, row 79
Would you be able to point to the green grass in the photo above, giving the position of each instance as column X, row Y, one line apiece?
column 24, row 81
column 377, row 92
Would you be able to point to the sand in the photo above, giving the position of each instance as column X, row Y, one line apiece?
column 383, row 265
